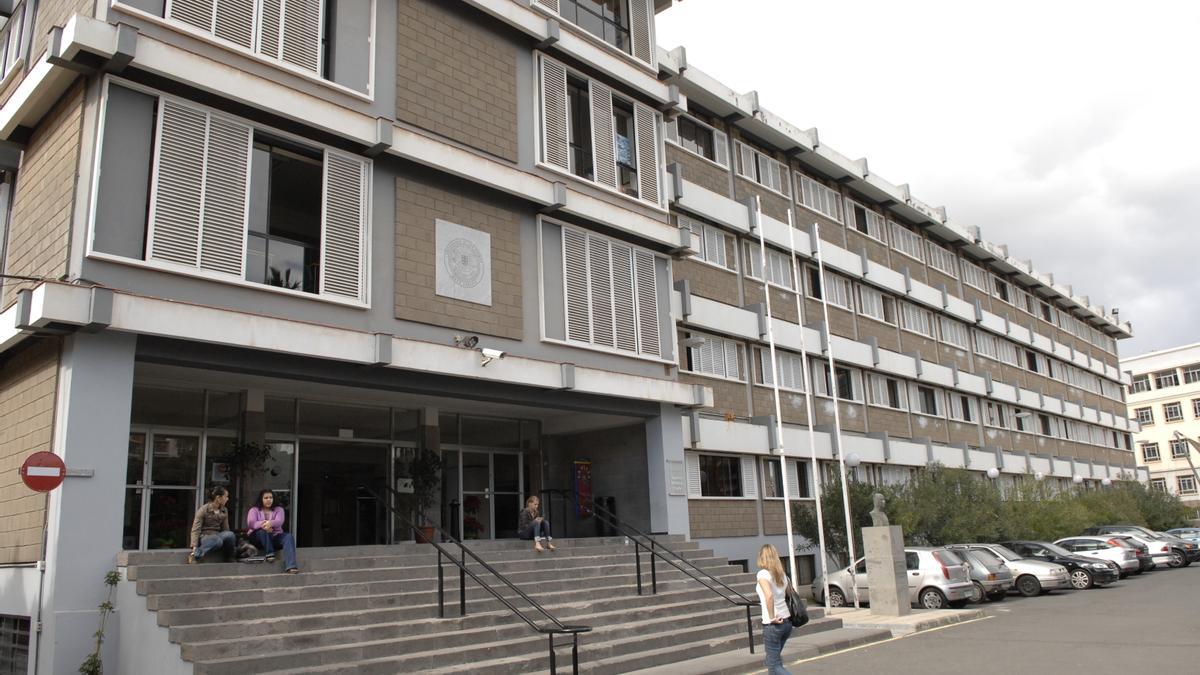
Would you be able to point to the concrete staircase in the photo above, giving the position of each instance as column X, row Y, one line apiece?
column 373, row 609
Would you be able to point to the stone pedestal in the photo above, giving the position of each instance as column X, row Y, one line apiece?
column 887, row 576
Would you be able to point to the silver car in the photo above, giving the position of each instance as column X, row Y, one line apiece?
column 990, row 577
column 1033, row 577
column 937, row 578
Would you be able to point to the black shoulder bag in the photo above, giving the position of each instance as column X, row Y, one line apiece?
column 796, row 607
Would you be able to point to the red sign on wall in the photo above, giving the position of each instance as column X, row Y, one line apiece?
column 43, row 471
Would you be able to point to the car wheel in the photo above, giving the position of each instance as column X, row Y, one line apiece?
column 977, row 593
column 1081, row 579
column 1122, row 574
column 1178, row 559
column 932, row 598
column 836, row 597
column 1029, row 586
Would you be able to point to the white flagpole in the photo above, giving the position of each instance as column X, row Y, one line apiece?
column 808, row 408
column 837, row 417
column 787, row 505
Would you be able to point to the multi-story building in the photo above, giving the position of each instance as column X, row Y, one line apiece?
column 1164, row 399
column 301, row 223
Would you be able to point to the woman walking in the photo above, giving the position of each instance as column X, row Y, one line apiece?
column 265, row 522
column 777, row 626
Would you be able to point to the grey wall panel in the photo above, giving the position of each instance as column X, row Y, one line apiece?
column 124, row 195
column 351, row 56
column 552, row 273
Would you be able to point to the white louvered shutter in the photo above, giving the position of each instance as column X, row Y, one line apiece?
column 198, row 13
column 720, row 148
column 604, row 153
column 785, row 179
column 766, row 172
column 793, row 480
column 693, row 474
column 639, row 30
column 671, row 130
column 301, row 43
column 551, row 5
column 747, row 156
column 647, row 303
column 234, row 21
column 177, row 194
column 226, row 195
column 764, row 365
column 714, row 246
column 646, row 123
column 600, row 268
column 731, row 360
column 556, row 140
column 749, row 480
column 270, row 28
column 344, row 230
column 575, row 275
column 708, row 364
column 624, row 301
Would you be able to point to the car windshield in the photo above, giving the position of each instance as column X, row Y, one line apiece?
column 1004, row 551
column 1056, row 549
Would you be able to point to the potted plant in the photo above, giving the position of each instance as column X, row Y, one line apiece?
column 425, row 470
column 243, row 461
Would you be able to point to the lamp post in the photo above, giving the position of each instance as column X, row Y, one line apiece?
column 1193, row 443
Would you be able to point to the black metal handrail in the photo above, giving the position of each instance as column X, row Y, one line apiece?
column 657, row 550
column 557, row 627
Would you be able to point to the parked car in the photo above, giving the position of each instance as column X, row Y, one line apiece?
column 937, row 578
column 990, row 577
column 1191, row 534
column 1180, row 552
column 1033, row 577
column 1159, row 552
column 1111, row 549
column 1085, row 572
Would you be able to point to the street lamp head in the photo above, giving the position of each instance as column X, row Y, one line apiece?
column 1077, row 479
column 853, row 460
column 1038, row 475
column 993, row 473
column 1106, row 482
column 1178, row 435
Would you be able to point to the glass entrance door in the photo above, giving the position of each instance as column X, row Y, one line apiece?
column 162, row 474
column 333, row 512
column 491, row 485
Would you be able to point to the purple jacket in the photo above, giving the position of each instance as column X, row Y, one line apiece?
column 256, row 517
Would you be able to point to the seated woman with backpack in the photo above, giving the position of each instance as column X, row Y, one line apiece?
column 265, row 525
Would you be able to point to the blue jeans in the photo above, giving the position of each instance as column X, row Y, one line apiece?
column 222, row 540
column 774, row 636
column 538, row 531
column 270, row 543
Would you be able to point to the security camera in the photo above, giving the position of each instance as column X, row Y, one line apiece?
column 466, row 341
column 490, row 354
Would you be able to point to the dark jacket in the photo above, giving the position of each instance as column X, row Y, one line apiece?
column 525, row 522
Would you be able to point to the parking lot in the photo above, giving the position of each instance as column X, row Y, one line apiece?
column 1146, row 623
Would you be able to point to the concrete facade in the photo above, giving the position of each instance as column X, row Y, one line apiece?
column 1164, row 397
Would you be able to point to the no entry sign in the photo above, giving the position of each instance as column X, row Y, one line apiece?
column 43, row 471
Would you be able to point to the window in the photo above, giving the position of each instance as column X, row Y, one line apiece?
column 1191, row 374
column 715, row 356
column 819, row 198
column 1000, row 289
column 1141, row 383
column 997, row 415
column 1034, row 362
column 974, row 275
column 779, row 265
column 1166, row 378
column 698, row 138
column 955, row 333
column 887, row 392
column 1173, row 411
column 961, row 407
column 876, row 305
column 589, row 131
column 1027, row 303
column 291, row 33
column 864, row 220
column 917, row 319
column 1179, row 448
column 925, row 400
column 10, row 40
column 1047, row 312
column 1196, row 408
column 763, row 170
column 905, row 240
column 941, row 259
column 720, row 476
column 224, row 200
column 1145, row 416
column 1021, row 420
column 1047, row 424
column 1186, row 484
column 612, row 292
column 847, row 379
column 799, row 486
column 790, row 367
column 985, row 345
column 606, row 19
column 710, row 242
column 837, row 290
column 1159, row 484
column 14, row 644
column 1008, row 352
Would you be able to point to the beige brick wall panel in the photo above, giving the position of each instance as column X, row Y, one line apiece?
column 963, row 432
column 791, row 404
column 841, row 322
column 774, row 518
column 708, row 281
column 417, row 206
column 933, row 427
column 53, row 13
column 949, row 354
column 937, row 279
column 989, row 366
column 456, row 78
column 39, row 231
column 1013, row 375
column 853, row 416
column 916, row 269
column 698, row 171
column 723, row 518
column 885, row 333
column 773, row 203
column 28, row 384
column 971, row 294
column 911, row 342
column 1024, row 443
column 895, row 422
column 1003, row 309
column 729, row 397
column 876, row 251
column 997, row 437
column 831, row 230
column 783, row 302
column 11, row 88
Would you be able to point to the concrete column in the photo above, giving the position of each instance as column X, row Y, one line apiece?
column 887, row 571
column 664, row 457
column 91, row 431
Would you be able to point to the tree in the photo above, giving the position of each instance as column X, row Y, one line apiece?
column 862, row 500
column 942, row 506
column 1036, row 510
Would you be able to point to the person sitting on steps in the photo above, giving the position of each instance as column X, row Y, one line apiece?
column 265, row 524
column 532, row 526
column 210, row 527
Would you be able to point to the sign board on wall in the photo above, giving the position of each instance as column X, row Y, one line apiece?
column 464, row 263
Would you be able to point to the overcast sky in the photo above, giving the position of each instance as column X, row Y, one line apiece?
column 1068, row 130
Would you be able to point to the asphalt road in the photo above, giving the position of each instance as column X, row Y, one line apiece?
column 1142, row 624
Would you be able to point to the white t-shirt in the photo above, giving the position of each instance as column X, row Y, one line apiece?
column 777, row 593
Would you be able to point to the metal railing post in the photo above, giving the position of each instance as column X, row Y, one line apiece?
column 749, row 629
column 553, row 669
column 441, row 589
column 462, row 586
column 574, row 653
column 653, row 570
column 637, row 556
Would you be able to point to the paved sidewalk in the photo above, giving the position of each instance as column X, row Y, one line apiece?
column 918, row 620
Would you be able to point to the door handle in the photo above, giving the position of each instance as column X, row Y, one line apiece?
column 915, row 574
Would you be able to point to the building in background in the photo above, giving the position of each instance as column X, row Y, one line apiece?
column 1164, row 398
column 302, row 225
